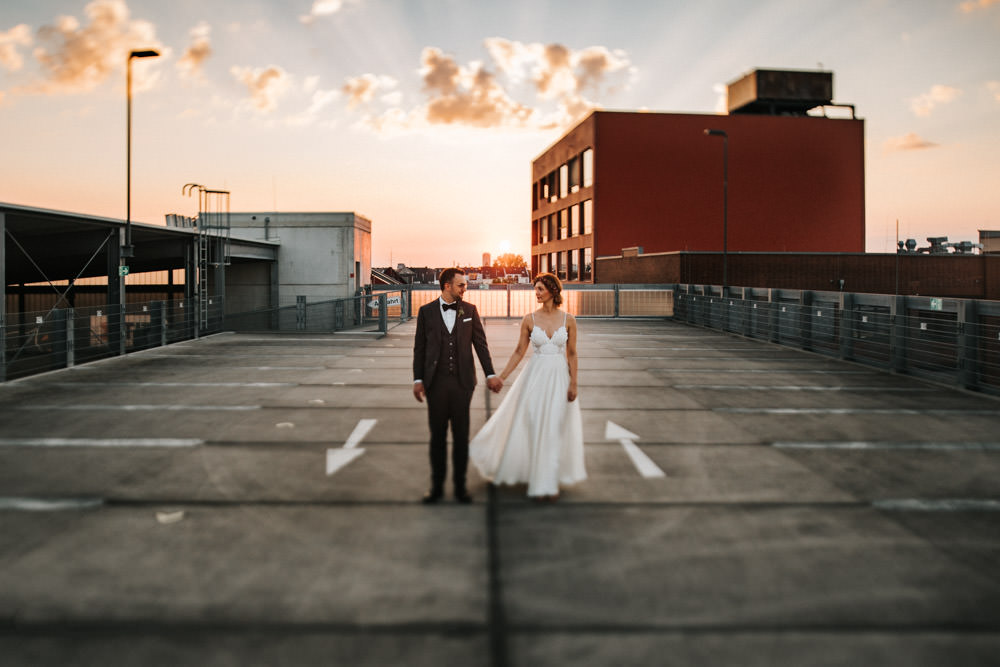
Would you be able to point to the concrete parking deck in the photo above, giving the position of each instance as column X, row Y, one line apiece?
column 174, row 507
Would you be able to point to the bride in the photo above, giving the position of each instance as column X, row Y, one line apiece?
column 536, row 435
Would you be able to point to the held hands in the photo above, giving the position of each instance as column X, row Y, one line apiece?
column 418, row 391
column 495, row 384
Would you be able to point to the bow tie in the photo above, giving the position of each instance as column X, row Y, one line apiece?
column 450, row 306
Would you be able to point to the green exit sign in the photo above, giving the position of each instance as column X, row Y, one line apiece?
column 122, row 271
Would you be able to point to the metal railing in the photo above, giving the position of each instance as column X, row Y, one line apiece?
column 655, row 301
column 36, row 342
column 950, row 340
column 366, row 313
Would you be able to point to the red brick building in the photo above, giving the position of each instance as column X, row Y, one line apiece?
column 655, row 181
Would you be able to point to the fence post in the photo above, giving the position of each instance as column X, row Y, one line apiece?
column 616, row 299
column 805, row 319
column 846, row 325
column 193, row 309
column 122, row 329
column 300, row 313
column 897, row 333
column 747, row 311
column 508, row 300
column 158, row 322
column 774, row 316
column 70, row 327
column 968, row 344
column 383, row 319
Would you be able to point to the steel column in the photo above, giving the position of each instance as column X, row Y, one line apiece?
column 3, row 302
column 846, row 325
column 968, row 345
column 116, row 296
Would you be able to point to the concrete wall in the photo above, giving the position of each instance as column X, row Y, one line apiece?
column 319, row 252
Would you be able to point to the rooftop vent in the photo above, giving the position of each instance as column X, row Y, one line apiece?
column 780, row 92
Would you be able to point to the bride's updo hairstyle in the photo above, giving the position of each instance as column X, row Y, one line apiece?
column 552, row 284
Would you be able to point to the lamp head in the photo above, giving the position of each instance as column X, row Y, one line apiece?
column 715, row 133
column 147, row 53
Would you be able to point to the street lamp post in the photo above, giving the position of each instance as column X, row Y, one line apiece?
column 127, row 249
column 725, row 205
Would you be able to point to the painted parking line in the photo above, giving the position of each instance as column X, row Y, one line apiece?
column 49, row 504
column 138, row 408
column 857, row 411
column 101, row 442
column 939, row 505
column 866, row 445
column 175, row 384
column 793, row 388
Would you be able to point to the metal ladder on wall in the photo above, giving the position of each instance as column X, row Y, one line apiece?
column 214, row 241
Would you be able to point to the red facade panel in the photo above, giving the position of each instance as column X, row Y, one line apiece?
column 795, row 183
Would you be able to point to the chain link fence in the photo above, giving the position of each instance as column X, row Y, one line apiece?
column 35, row 342
column 949, row 340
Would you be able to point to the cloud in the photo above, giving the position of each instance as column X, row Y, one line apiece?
column 973, row 5
column 907, row 142
column 19, row 35
column 77, row 58
column 265, row 85
column 200, row 48
column 922, row 105
column 362, row 89
column 322, row 8
column 559, row 80
column 994, row 88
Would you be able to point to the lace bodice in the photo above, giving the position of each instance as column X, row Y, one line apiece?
column 545, row 345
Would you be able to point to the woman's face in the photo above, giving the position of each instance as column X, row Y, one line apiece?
column 542, row 293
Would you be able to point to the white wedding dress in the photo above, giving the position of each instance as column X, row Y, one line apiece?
column 536, row 435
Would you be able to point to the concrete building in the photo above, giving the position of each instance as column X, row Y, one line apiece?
column 990, row 240
column 321, row 255
column 654, row 182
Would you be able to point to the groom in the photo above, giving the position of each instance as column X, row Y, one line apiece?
column 443, row 371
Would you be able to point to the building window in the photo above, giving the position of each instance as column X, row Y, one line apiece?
column 543, row 263
column 553, row 227
column 543, row 229
column 586, row 258
column 534, row 196
column 572, row 271
column 574, row 174
column 588, row 167
column 553, row 183
column 552, row 262
column 573, row 213
column 588, row 216
column 563, row 181
column 564, row 224
column 561, row 265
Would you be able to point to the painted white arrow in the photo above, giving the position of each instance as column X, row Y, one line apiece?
column 338, row 458
column 642, row 463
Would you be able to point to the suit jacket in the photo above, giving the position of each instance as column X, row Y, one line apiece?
column 469, row 333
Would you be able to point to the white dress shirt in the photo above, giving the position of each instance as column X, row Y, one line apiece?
column 450, row 316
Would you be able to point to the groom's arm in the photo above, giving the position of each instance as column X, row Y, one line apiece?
column 419, row 356
column 480, row 345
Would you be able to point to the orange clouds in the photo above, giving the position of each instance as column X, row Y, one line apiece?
column 906, row 142
column 19, row 35
column 197, row 52
column 477, row 95
column 362, row 89
column 265, row 85
column 77, row 57
column 924, row 104
column 973, row 5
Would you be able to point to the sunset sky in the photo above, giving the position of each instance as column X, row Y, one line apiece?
column 424, row 115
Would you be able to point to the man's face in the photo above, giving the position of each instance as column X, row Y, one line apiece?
column 456, row 288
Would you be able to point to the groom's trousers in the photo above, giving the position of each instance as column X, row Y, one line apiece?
column 448, row 402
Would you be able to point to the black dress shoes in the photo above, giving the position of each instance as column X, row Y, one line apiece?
column 433, row 496
column 462, row 496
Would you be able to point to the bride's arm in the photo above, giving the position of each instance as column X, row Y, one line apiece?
column 518, row 354
column 571, row 356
